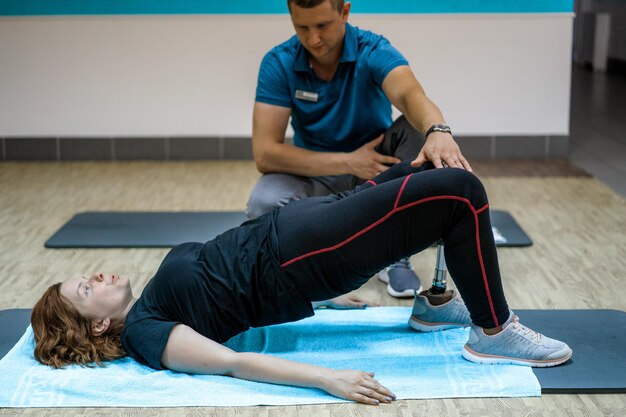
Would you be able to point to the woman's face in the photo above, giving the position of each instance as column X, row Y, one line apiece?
column 99, row 296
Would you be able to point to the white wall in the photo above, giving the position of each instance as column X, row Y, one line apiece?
column 196, row 75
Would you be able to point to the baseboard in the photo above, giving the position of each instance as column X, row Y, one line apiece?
column 240, row 148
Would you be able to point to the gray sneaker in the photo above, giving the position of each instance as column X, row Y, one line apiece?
column 401, row 280
column 427, row 317
column 515, row 344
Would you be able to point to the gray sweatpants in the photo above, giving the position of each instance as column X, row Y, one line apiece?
column 277, row 189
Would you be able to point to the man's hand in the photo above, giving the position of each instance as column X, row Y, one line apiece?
column 345, row 302
column 366, row 163
column 440, row 148
column 357, row 386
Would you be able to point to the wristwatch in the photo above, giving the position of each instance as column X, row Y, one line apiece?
column 438, row 128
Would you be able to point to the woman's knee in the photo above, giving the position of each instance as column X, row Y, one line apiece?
column 469, row 186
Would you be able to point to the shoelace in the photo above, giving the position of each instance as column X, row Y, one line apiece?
column 526, row 331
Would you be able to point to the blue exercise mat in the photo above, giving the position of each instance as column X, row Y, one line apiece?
column 596, row 336
column 168, row 229
column 413, row 365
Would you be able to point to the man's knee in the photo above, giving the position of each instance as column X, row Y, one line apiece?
column 402, row 140
column 260, row 204
column 272, row 191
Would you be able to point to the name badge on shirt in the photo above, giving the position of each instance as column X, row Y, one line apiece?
column 306, row 95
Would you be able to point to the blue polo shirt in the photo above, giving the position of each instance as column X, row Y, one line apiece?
column 340, row 115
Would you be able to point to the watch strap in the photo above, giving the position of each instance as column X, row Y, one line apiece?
column 439, row 127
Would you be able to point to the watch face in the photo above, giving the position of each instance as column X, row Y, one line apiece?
column 439, row 128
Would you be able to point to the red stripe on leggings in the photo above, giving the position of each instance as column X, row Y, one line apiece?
column 395, row 206
column 372, row 182
column 406, row 206
column 482, row 264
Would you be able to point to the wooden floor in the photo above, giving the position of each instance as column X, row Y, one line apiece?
column 578, row 259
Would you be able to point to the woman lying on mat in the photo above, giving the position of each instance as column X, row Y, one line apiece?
column 272, row 269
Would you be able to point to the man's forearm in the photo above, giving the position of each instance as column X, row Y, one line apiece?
column 421, row 112
column 281, row 157
column 440, row 147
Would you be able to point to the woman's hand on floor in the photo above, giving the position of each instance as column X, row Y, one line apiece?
column 357, row 386
column 344, row 302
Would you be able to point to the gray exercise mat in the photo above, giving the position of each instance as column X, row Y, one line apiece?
column 13, row 324
column 142, row 229
column 598, row 340
column 506, row 231
column 102, row 229
column 596, row 336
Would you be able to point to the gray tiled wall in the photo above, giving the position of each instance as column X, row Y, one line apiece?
column 557, row 146
column 476, row 147
column 238, row 148
column 182, row 149
column 130, row 149
column 31, row 149
column 94, row 149
column 512, row 147
column 207, row 148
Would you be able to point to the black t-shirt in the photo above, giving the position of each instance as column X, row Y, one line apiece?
column 219, row 288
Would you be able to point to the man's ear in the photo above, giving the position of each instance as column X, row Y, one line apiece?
column 345, row 12
column 99, row 326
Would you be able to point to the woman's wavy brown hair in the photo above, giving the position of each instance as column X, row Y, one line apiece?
column 63, row 336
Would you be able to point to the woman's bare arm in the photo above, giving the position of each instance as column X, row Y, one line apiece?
column 188, row 351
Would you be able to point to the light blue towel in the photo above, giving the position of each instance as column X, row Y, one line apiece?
column 410, row 364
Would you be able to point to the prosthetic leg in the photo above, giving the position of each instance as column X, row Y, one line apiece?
column 441, row 271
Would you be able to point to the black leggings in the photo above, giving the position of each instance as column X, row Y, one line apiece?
column 332, row 245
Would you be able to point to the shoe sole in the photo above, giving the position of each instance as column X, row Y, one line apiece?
column 422, row 326
column 476, row 357
column 384, row 277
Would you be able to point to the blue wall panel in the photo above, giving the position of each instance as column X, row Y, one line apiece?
column 114, row 7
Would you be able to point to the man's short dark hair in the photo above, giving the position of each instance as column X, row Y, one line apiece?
column 309, row 4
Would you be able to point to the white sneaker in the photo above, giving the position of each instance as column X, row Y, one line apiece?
column 427, row 317
column 515, row 344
